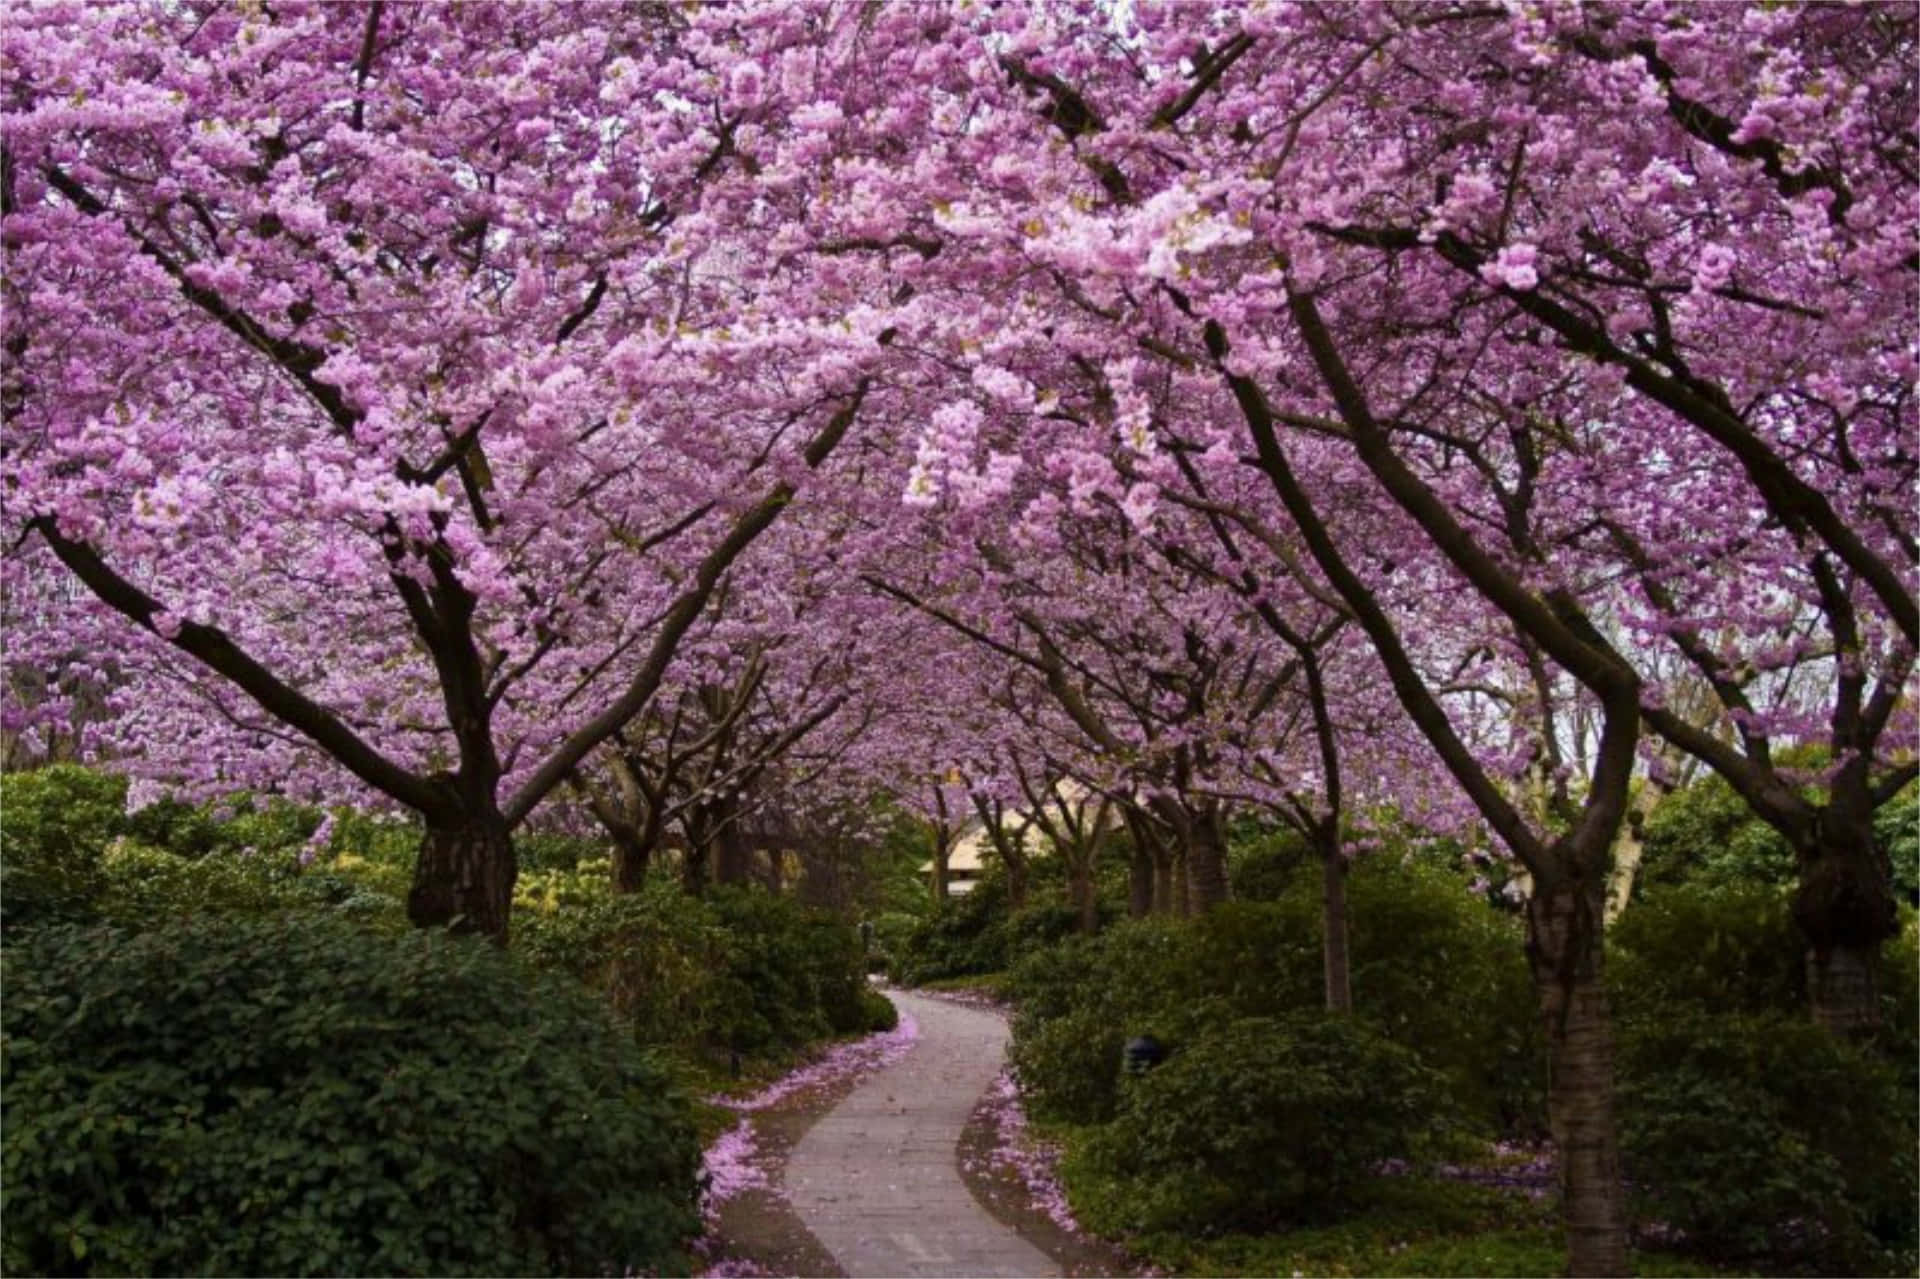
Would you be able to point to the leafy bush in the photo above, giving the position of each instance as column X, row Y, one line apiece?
column 58, row 822
column 964, row 936
column 298, row 1096
column 879, row 1011
column 1705, row 834
column 1262, row 1119
column 1266, row 862
column 1765, row 1137
column 655, row 955
column 1712, row 949
column 791, row 974
column 146, row 886
column 1069, row 1065
column 1432, row 966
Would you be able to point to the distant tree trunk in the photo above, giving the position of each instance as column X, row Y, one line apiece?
column 733, row 861
column 1139, row 880
column 1564, row 948
column 464, row 875
column 1335, row 964
column 632, row 857
column 1016, row 883
column 820, row 879
column 773, row 871
column 942, row 854
column 1081, row 894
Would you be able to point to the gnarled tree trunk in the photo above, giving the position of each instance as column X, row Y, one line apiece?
column 463, row 877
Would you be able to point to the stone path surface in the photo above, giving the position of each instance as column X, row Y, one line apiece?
column 877, row 1180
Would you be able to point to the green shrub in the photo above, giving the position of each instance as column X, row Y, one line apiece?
column 1444, row 974
column 655, row 955
column 1765, row 1137
column 1069, row 1066
column 55, row 825
column 1262, row 1120
column 880, row 1013
column 1714, row 949
column 147, row 886
column 1432, row 966
column 792, row 975
column 1266, row 862
column 962, row 937
column 298, row 1096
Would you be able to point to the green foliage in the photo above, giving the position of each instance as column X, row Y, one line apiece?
column 878, row 1011
column 57, row 822
column 1433, row 967
column 738, row 971
column 1261, row 1119
column 1706, row 835
column 1069, row 1065
column 791, row 974
column 1756, row 1132
column 146, row 886
column 1731, row 949
column 1896, row 828
column 1266, row 861
column 652, row 954
column 1765, row 1137
column 299, row 1096
column 964, row 935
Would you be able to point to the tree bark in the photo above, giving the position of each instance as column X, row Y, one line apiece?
column 1844, row 906
column 463, row 878
column 1564, row 949
column 732, row 854
column 1086, row 903
column 1140, row 881
column 696, row 866
column 1016, row 882
column 942, row 851
column 632, row 856
column 1206, row 861
column 1335, row 963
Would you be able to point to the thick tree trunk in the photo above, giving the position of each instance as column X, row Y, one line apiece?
column 463, row 877
column 1182, row 886
column 1335, row 964
column 1207, row 862
column 1845, row 908
column 1564, row 947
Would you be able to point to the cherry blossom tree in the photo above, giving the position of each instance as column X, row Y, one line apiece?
column 401, row 377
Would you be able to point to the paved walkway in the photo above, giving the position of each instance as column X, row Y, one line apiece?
column 877, row 1180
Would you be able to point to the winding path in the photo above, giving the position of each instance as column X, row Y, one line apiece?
column 877, row 1179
